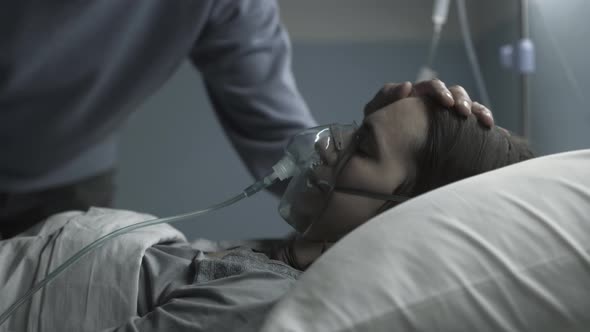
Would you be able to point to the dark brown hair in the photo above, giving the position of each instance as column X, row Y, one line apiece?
column 458, row 147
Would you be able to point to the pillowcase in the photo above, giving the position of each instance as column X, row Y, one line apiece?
column 507, row 250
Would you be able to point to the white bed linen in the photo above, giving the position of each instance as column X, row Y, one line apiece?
column 95, row 293
column 503, row 251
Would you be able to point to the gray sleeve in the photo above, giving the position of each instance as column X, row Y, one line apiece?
column 181, row 291
column 244, row 56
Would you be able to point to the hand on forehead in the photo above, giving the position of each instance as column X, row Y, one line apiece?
column 454, row 98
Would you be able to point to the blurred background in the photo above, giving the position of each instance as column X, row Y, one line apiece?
column 344, row 51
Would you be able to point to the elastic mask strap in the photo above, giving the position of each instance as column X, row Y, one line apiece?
column 383, row 197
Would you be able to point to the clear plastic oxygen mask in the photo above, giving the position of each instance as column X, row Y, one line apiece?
column 315, row 158
column 314, row 154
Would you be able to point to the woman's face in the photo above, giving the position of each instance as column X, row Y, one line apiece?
column 382, row 159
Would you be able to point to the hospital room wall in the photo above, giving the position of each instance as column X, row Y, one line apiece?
column 559, row 115
column 174, row 157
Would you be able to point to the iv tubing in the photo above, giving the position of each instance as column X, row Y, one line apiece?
column 433, row 47
column 251, row 190
column 464, row 24
column 568, row 71
column 440, row 13
column 524, row 77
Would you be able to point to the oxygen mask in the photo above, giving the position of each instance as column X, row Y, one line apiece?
column 316, row 156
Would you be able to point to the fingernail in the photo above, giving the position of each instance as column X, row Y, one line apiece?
column 466, row 104
column 448, row 94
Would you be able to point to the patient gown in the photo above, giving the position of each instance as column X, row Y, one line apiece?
column 151, row 279
column 185, row 289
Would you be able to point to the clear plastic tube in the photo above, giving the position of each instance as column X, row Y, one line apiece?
column 568, row 71
column 433, row 48
column 439, row 18
column 471, row 55
column 440, row 12
column 251, row 190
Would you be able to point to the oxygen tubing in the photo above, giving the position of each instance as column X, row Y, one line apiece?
column 249, row 191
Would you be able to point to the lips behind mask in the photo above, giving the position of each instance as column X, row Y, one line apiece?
column 308, row 192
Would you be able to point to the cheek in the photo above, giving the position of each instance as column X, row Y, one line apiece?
column 308, row 204
column 370, row 176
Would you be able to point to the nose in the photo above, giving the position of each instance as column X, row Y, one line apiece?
column 326, row 150
column 331, row 147
column 344, row 141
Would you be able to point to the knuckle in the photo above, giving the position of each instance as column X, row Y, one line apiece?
column 437, row 84
column 460, row 89
column 481, row 106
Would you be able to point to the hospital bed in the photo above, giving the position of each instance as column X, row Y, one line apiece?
column 502, row 251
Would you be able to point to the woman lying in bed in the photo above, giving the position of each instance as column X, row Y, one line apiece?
column 405, row 148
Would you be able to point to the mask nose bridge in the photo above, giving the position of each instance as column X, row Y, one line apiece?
column 342, row 135
column 337, row 135
column 346, row 144
column 325, row 148
column 333, row 146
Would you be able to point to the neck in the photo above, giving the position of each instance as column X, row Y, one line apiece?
column 300, row 253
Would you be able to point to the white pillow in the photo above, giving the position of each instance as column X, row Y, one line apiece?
column 503, row 251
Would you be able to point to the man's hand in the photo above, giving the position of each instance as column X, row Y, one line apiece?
column 455, row 98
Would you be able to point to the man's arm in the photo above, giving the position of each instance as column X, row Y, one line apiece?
column 244, row 56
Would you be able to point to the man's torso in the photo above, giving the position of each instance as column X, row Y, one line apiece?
column 70, row 74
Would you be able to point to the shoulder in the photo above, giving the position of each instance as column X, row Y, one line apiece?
column 242, row 261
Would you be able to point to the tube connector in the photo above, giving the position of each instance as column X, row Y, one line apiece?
column 285, row 168
column 282, row 170
column 440, row 12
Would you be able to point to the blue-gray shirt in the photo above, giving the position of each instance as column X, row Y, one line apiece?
column 71, row 72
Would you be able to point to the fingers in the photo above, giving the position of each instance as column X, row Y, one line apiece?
column 465, row 106
column 454, row 97
column 483, row 114
column 389, row 93
column 436, row 90
column 463, row 103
